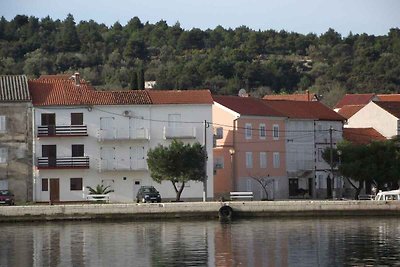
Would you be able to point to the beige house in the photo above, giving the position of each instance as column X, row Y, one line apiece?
column 382, row 116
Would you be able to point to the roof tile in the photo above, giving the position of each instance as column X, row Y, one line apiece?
column 180, row 96
column 14, row 88
column 293, row 97
column 362, row 135
column 349, row 110
column 355, row 99
column 305, row 110
column 393, row 107
column 247, row 106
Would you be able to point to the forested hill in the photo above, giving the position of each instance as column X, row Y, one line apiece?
column 222, row 60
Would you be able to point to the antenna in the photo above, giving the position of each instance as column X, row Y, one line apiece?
column 242, row 93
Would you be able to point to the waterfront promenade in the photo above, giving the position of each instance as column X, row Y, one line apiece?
column 199, row 210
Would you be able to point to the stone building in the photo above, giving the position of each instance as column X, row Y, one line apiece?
column 16, row 136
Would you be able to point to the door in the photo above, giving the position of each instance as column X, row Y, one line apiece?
column 107, row 158
column 310, row 187
column 54, row 190
column 50, row 152
column 293, row 187
column 49, row 120
column 76, row 118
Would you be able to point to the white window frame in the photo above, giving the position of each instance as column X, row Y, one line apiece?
column 262, row 130
column 248, row 131
column 276, row 160
column 249, row 160
column 275, row 131
column 263, row 160
column 3, row 124
column 3, row 155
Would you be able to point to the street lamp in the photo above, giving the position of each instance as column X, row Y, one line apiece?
column 232, row 153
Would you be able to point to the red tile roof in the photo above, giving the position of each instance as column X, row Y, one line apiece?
column 247, row 106
column 389, row 97
column 60, row 91
column 304, row 110
column 362, row 135
column 180, row 96
column 349, row 110
column 392, row 107
column 293, row 97
column 355, row 99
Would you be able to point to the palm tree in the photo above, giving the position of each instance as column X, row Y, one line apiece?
column 99, row 190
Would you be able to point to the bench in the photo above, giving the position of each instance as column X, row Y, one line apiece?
column 241, row 195
column 105, row 198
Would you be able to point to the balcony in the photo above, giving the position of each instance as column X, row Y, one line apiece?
column 179, row 132
column 122, row 165
column 123, row 134
column 61, row 130
column 63, row 163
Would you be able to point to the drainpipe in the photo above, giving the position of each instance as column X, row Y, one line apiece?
column 234, row 154
column 33, row 147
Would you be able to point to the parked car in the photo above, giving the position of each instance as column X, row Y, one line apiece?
column 6, row 197
column 148, row 194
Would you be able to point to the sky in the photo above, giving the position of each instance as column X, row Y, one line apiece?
column 302, row 16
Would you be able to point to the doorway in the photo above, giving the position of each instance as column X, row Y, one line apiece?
column 293, row 187
column 54, row 190
column 49, row 120
column 50, row 152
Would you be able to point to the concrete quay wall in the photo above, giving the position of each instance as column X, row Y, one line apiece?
column 198, row 210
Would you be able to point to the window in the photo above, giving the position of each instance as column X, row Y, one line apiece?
column 262, row 131
column 219, row 163
column 48, row 119
column 320, row 153
column 3, row 154
column 275, row 130
column 76, row 118
column 249, row 160
column 45, row 184
column 248, row 130
column 263, row 160
column 219, row 133
column 78, row 150
column 2, row 124
column 76, row 184
column 276, row 160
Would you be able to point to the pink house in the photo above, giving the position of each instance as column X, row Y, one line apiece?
column 250, row 148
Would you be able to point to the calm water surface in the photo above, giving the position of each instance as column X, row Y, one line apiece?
column 255, row 242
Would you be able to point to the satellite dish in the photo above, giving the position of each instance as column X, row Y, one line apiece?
column 242, row 93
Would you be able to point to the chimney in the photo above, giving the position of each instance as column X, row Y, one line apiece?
column 77, row 79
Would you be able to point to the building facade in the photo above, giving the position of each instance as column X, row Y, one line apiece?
column 85, row 137
column 16, row 137
column 249, row 149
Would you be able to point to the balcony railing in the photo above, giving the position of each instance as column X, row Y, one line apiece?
column 123, row 134
column 61, row 130
column 179, row 132
column 122, row 165
column 63, row 163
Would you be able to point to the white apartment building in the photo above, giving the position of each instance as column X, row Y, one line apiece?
column 84, row 137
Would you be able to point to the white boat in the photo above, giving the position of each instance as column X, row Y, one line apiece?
column 388, row 195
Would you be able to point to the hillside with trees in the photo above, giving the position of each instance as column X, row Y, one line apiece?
column 220, row 59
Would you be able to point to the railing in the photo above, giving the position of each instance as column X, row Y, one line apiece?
column 123, row 134
column 63, row 163
column 179, row 132
column 61, row 130
column 122, row 165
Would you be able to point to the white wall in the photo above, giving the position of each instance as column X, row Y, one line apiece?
column 155, row 117
column 374, row 116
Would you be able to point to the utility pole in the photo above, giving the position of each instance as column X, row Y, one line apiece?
column 206, row 125
column 330, row 181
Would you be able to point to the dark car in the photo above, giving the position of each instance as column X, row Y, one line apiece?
column 6, row 197
column 148, row 194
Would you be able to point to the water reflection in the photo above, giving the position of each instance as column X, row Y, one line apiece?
column 258, row 242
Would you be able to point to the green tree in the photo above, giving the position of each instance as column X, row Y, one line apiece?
column 99, row 190
column 177, row 163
